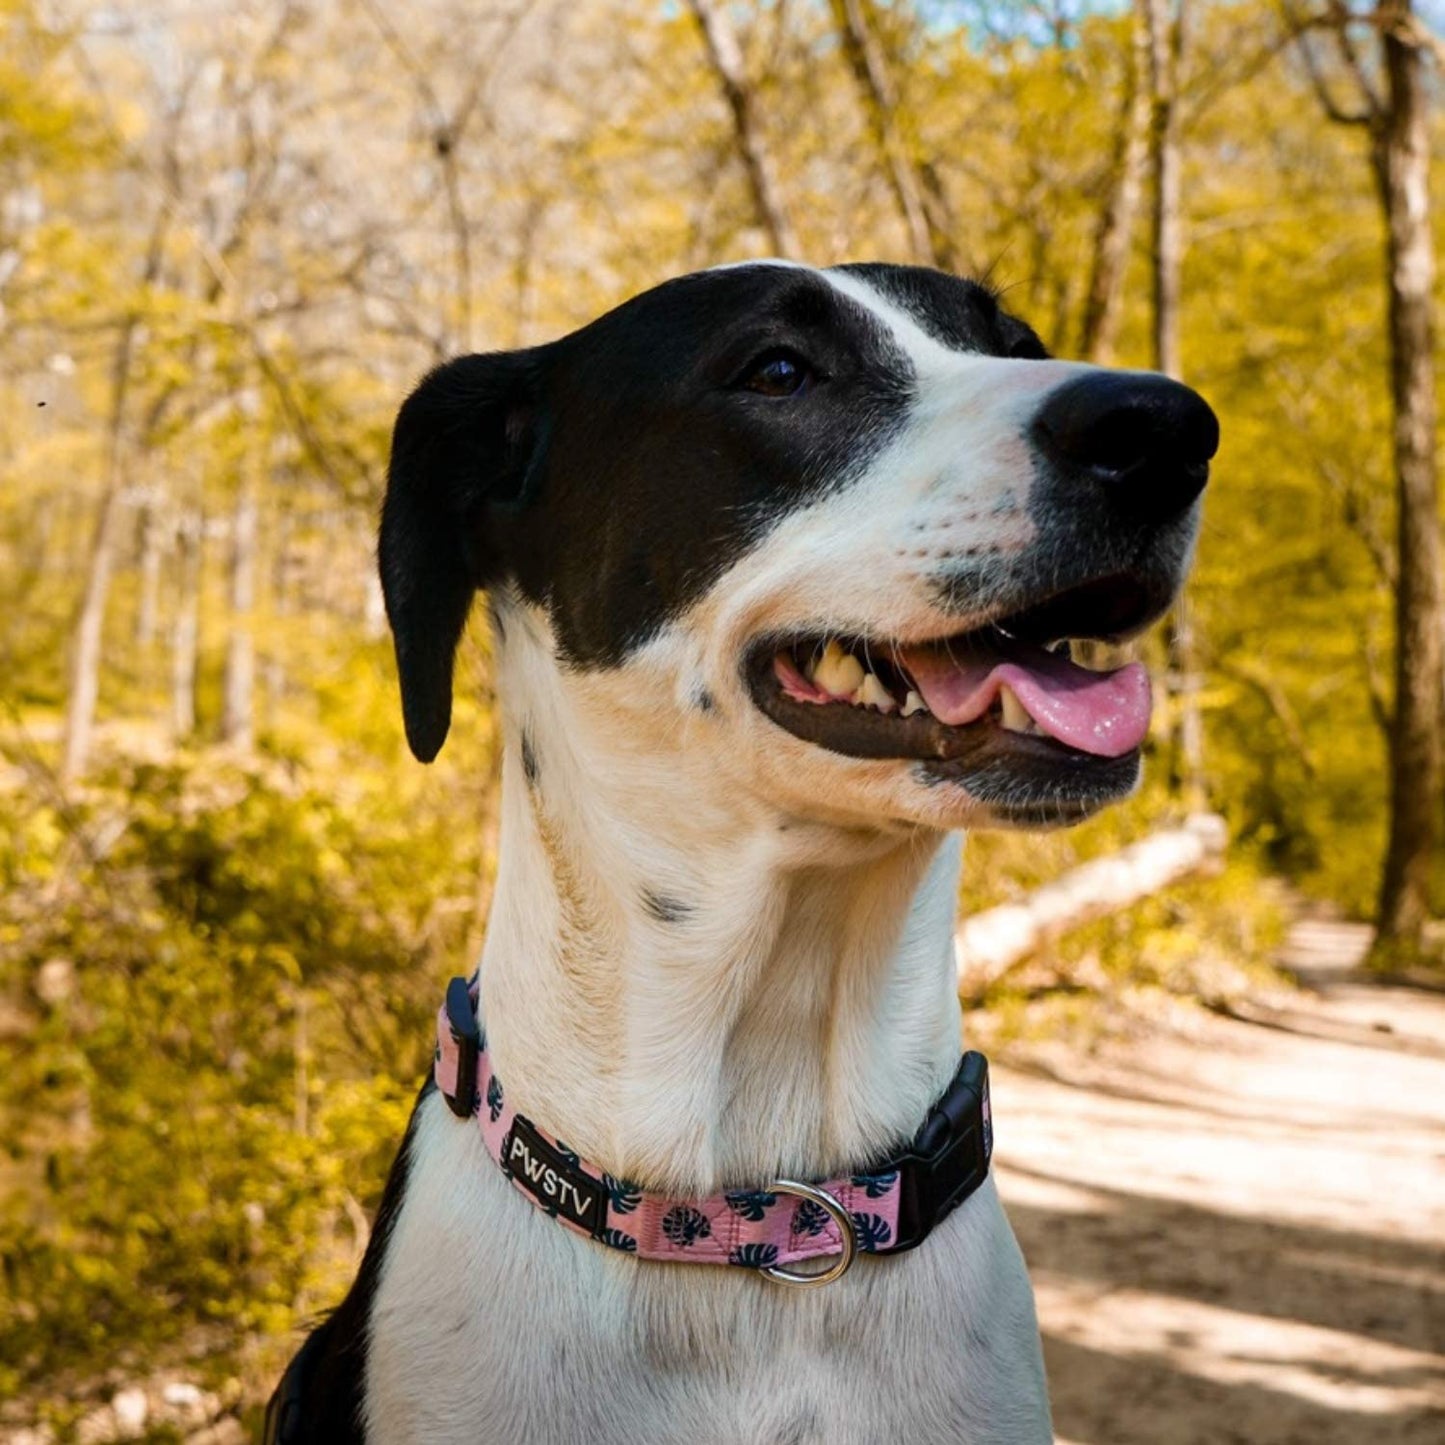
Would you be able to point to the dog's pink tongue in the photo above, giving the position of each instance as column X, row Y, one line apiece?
column 1104, row 713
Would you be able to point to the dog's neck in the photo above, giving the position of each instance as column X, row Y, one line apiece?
column 689, row 987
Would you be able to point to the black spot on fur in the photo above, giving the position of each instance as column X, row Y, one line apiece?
column 529, row 759
column 704, row 700
column 665, row 909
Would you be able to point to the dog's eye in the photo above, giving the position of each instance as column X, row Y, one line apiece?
column 777, row 373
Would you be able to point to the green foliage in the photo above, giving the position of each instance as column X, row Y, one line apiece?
column 42, row 123
column 220, row 973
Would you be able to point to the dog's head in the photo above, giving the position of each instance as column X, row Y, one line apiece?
column 834, row 529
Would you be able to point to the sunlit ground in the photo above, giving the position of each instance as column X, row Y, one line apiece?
column 1235, row 1232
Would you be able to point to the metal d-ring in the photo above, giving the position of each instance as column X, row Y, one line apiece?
column 838, row 1215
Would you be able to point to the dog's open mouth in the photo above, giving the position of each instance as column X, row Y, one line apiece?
column 1010, row 686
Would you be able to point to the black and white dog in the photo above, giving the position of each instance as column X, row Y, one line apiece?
column 781, row 565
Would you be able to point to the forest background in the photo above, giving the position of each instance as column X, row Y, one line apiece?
column 233, row 235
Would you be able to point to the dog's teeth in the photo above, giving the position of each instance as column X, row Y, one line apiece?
column 872, row 693
column 837, row 672
column 1102, row 656
column 913, row 703
column 1015, row 715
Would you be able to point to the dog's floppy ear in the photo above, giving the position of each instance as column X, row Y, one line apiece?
column 464, row 447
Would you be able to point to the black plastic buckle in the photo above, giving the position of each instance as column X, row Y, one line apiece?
column 462, row 1018
column 948, row 1158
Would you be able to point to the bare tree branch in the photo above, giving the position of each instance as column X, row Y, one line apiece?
column 448, row 132
column 726, row 57
column 915, row 187
column 1340, row 18
column 1335, row 18
column 1262, row 680
column 1125, row 187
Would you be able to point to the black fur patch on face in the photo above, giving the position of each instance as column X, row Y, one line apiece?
column 665, row 909
column 613, row 476
column 960, row 314
column 529, row 759
column 704, row 700
column 662, row 466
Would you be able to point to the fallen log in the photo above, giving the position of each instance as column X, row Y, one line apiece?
column 989, row 943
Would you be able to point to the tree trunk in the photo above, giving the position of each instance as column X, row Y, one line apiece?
column 1164, row 21
column 275, row 667
column 152, row 529
column 1417, row 767
column 1126, row 184
column 929, row 242
column 373, row 617
column 83, row 693
column 989, row 943
column 1166, row 39
column 238, row 724
column 1191, row 782
column 726, row 58
column 185, row 631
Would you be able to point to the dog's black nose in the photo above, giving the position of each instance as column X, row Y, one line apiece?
column 1143, row 439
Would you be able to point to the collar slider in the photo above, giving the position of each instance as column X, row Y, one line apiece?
column 462, row 1020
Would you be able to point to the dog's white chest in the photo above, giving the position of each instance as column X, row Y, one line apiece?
column 493, row 1324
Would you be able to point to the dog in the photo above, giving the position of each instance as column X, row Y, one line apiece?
column 782, row 566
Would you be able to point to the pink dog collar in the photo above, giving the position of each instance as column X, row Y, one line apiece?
column 880, row 1210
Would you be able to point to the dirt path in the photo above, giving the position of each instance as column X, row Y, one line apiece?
column 1238, row 1234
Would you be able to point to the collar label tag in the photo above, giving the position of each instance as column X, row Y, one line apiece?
column 552, row 1178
